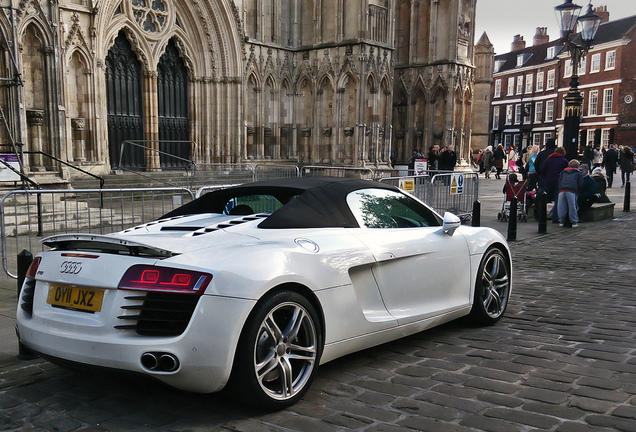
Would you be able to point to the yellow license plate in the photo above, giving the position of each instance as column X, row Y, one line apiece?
column 83, row 299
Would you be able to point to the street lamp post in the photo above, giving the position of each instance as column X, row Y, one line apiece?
column 577, row 44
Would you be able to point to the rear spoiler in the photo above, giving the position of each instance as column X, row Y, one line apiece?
column 104, row 244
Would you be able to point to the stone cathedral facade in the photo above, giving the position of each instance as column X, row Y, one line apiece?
column 328, row 82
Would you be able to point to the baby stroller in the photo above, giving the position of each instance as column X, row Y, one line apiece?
column 517, row 190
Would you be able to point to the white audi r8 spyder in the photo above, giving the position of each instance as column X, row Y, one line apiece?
column 252, row 287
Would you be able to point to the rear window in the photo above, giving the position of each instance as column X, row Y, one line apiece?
column 251, row 204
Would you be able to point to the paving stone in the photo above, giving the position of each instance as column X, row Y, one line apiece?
column 543, row 395
column 489, row 424
column 522, row 417
column 424, row 409
column 500, row 400
column 596, row 393
column 492, row 385
column 386, row 387
column 621, row 424
column 554, row 410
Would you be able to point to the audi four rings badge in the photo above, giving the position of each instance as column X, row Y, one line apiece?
column 71, row 267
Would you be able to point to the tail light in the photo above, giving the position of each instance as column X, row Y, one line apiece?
column 33, row 268
column 165, row 279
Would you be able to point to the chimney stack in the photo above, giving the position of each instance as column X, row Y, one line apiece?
column 603, row 13
column 518, row 43
column 541, row 36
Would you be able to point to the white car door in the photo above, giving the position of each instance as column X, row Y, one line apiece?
column 421, row 272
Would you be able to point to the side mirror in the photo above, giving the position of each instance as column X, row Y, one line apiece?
column 451, row 223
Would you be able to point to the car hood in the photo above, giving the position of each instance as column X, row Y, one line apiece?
column 168, row 237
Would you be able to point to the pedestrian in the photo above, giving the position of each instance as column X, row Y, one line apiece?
column 598, row 157
column 626, row 162
column 433, row 158
column 415, row 155
column 551, row 170
column 529, row 160
column 448, row 159
column 488, row 161
column 570, row 183
column 498, row 156
column 550, row 146
column 588, row 155
column 512, row 160
column 587, row 194
column 610, row 161
column 601, row 186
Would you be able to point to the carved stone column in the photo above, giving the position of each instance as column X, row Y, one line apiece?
column 325, row 153
column 78, row 125
column 268, row 147
column 151, row 120
column 306, row 133
column 35, row 120
column 348, row 133
column 251, row 134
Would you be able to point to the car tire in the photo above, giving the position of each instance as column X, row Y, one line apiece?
column 278, row 353
column 492, row 288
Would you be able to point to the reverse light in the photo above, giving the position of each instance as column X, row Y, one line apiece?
column 166, row 279
column 33, row 268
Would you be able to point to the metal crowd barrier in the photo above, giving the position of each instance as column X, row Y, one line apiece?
column 223, row 173
column 271, row 172
column 455, row 192
column 343, row 172
column 29, row 215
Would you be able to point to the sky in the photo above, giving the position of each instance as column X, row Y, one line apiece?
column 503, row 19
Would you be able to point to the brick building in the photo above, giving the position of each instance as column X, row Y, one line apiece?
column 530, row 82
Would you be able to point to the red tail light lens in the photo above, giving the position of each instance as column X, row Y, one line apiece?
column 33, row 268
column 166, row 279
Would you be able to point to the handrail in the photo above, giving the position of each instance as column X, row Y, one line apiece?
column 101, row 179
column 190, row 168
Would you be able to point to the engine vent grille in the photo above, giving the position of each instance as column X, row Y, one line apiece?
column 26, row 296
column 159, row 314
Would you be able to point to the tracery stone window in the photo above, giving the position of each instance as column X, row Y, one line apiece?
column 152, row 16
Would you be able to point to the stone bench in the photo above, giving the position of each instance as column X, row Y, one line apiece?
column 598, row 211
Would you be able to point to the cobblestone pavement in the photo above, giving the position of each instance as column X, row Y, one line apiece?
column 562, row 359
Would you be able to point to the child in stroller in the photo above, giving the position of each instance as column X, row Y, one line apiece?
column 513, row 188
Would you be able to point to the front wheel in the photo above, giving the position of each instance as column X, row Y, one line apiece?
column 492, row 288
column 279, row 351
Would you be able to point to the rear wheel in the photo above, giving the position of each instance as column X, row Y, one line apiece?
column 279, row 351
column 492, row 288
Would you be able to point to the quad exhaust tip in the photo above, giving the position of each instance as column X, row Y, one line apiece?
column 159, row 362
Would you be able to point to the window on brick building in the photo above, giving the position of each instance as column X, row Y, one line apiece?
column 520, row 84
column 509, row 114
column 495, row 117
column 538, row 112
column 595, row 66
column 549, row 111
column 610, row 60
column 550, row 83
column 517, row 113
column 497, row 88
column 539, row 81
column 529, row 83
column 605, row 137
column 511, row 86
column 592, row 104
column 608, row 99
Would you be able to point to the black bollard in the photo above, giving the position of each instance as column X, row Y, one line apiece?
column 543, row 212
column 626, row 200
column 512, row 221
column 476, row 220
column 25, row 258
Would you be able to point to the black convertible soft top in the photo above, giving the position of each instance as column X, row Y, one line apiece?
column 319, row 202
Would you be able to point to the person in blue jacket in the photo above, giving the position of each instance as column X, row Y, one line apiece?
column 570, row 184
